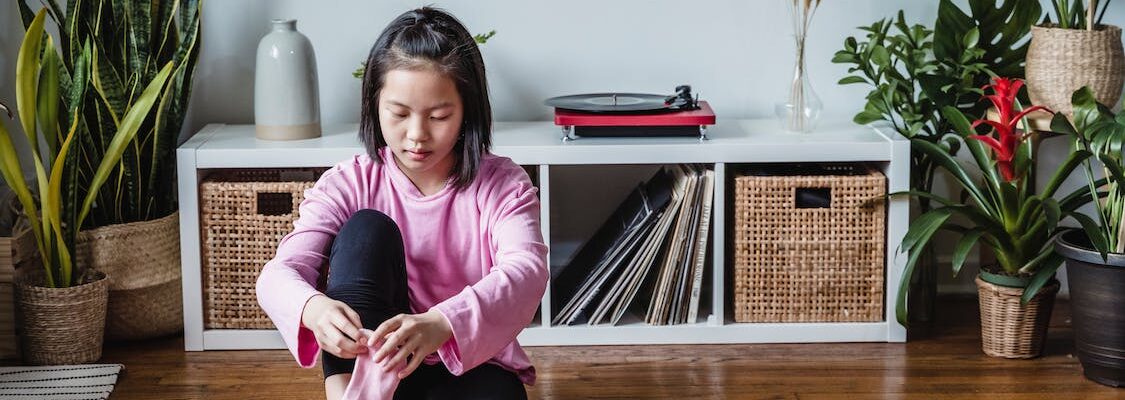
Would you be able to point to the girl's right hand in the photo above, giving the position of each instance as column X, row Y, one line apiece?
column 335, row 325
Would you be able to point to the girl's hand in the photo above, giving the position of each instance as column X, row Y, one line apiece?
column 334, row 324
column 409, row 338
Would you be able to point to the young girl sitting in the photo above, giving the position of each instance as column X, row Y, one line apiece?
column 435, row 259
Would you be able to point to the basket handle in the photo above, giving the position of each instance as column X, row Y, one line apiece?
column 274, row 203
column 812, row 197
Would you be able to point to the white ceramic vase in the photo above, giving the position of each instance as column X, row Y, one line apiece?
column 286, row 93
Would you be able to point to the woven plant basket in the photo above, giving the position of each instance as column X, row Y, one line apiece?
column 62, row 325
column 1061, row 61
column 798, row 262
column 1009, row 329
column 244, row 215
column 142, row 260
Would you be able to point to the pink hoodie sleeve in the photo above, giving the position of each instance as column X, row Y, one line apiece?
column 488, row 315
column 290, row 279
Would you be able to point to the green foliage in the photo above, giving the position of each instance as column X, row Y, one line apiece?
column 129, row 45
column 1017, row 222
column 1073, row 14
column 53, row 209
column 1097, row 130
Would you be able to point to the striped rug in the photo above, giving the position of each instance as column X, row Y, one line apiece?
column 60, row 382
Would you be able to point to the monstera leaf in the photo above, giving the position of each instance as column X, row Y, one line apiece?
column 1001, row 30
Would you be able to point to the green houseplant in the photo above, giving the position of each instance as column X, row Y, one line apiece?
column 1075, row 51
column 1007, row 214
column 915, row 72
column 1095, row 254
column 131, row 232
column 64, row 199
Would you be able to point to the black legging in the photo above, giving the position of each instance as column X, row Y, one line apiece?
column 367, row 271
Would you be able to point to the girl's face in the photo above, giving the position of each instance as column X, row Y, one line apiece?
column 420, row 114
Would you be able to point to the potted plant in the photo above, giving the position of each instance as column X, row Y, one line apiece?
column 132, row 233
column 1007, row 215
column 1075, row 51
column 62, row 307
column 1095, row 254
column 915, row 71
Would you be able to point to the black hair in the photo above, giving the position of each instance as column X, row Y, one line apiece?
column 431, row 38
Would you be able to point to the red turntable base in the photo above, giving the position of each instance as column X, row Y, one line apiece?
column 640, row 124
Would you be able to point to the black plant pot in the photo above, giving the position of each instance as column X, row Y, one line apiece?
column 1097, row 302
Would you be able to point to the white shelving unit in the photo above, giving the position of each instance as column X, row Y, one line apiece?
column 539, row 144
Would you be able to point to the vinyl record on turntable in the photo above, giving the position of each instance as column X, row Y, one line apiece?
column 613, row 102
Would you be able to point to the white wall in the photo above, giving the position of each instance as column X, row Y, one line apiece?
column 737, row 54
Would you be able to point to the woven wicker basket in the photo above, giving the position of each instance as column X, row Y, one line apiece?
column 62, row 326
column 142, row 260
column 805, row 261
column 245, row 213
column 1009, row 329
column 1061, row 61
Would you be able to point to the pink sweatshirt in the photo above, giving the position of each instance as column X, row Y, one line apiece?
column 476, row 256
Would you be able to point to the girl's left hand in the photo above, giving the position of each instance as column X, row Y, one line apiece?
column 409, row 338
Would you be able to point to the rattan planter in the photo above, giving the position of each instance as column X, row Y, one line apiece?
column 1061, row 61
column 62, row 325
column 142, row 260
column 1009, row 329
column 245, row 214
column 797, row 262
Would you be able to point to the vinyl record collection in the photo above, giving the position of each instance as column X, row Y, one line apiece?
column 650, row 253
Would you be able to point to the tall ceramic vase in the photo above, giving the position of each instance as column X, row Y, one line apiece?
column 286, row 94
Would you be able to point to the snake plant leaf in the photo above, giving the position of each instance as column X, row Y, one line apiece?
column 54, row 202
column 13, row 175
column 138, row 31
column 47, row 104
column 27, row 78
column 128, row 129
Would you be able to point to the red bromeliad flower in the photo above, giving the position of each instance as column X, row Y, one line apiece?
column 1008, row 136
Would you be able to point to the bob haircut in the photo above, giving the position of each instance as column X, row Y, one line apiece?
column 429, row 38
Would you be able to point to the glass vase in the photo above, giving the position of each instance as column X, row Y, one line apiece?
column 801, row 111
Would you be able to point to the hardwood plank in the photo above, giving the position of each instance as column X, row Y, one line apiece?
column 942, row 361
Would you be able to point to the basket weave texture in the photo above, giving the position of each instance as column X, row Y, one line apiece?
column 62, row 325
column 244, row 215
column 1061, row 61
column 794, row 263
column 142, row 261
column 1009, row 329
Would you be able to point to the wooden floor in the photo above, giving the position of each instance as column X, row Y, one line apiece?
column 939, row 362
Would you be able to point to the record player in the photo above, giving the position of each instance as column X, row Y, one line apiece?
column 632, row 114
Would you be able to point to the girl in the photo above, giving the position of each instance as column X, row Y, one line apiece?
column 435, row 259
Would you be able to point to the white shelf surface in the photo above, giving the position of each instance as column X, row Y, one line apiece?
column 539, row 144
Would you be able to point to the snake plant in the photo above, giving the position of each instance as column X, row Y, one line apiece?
column 130, row 42
column 63, row 198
